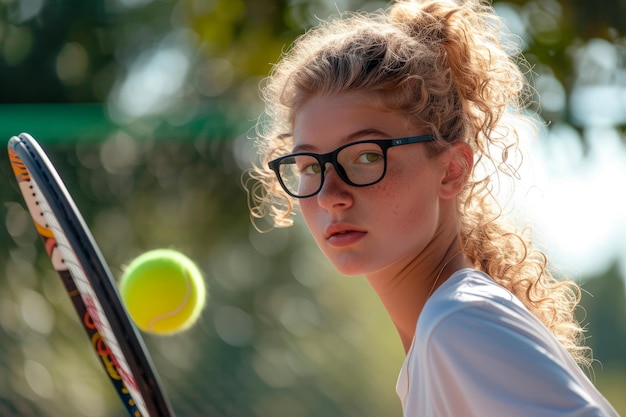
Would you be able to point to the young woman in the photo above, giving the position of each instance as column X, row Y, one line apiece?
column 388, row 130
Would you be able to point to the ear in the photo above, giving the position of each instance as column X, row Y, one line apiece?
column 459, row 163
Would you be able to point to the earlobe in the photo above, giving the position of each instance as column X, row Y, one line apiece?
column 459, row 165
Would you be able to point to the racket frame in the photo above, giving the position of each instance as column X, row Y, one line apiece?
column 88, row 280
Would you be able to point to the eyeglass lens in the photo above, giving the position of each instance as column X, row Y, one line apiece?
column 362, row 163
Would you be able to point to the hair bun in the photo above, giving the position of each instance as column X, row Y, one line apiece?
column 419, row 18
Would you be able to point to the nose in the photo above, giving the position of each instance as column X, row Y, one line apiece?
column 335, row 193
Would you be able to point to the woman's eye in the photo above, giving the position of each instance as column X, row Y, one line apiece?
column 369, row 157
column 311, row 169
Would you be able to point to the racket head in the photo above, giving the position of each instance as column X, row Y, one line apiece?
column 87, row 278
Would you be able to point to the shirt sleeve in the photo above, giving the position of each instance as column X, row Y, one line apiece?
column 480, row 362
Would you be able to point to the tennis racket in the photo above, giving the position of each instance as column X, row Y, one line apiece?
column 88, row 280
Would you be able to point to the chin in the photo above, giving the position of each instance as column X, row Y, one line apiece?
column 347, row 262
column 350, row 273
column 349, row 269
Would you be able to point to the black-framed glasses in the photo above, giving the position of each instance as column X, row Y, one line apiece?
column 358, row 164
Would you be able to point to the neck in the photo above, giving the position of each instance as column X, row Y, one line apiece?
column 404, row 294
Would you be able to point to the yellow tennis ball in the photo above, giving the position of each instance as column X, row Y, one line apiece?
column 164, row 291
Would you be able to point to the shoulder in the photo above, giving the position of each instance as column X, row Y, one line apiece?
column 472, row 303
column 477, row 343
column 466, row 289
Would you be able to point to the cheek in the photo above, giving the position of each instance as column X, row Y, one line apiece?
column 308, row 208
column 305, row 208
column 410, row 199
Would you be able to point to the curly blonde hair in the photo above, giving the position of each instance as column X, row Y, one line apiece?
column 442, row 65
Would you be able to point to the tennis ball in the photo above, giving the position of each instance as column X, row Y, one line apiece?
column 163, row 290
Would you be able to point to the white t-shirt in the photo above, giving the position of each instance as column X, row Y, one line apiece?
column 477, row 351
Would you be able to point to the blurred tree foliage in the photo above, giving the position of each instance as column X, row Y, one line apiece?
column 145, row 107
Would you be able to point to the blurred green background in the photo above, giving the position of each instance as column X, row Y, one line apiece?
column 146, row 108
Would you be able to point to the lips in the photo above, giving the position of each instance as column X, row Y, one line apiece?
column 343, row 234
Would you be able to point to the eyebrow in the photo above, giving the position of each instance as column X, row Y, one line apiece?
column 346, row 139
